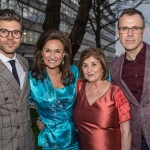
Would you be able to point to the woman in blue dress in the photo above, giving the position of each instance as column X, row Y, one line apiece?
column 53, row 91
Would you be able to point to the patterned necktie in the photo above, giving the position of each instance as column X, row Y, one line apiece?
column 14, row 71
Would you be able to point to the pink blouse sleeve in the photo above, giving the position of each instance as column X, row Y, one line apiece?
column 122, row 105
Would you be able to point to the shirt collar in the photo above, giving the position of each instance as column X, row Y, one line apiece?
column 5, row 59
column 141, row 52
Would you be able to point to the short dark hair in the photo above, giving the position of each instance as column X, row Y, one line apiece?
column 11, row 15
column 39, row 68
column 98, row 54
column 131, row 12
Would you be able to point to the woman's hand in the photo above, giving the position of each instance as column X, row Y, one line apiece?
column 40, row 124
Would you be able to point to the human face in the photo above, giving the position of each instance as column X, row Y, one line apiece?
column 9, row 44
column 131, row 41
column 92, row 69
column 53, row 53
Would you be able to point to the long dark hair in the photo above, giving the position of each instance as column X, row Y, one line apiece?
column 39, row 68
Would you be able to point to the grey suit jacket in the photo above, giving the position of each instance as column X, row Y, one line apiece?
column 15, row 122
column 140, row 111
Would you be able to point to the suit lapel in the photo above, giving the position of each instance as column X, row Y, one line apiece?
column 121, row 83
column 146, row 72
column 7, row 77
column 24, row 88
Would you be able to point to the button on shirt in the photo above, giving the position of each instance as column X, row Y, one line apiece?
column 133, row 73
column 19, row 68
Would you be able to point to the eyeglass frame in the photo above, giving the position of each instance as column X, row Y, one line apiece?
column 131, row 29
column 11, row 33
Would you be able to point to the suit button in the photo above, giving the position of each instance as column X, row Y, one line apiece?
column 18, row 127
column 6, row 98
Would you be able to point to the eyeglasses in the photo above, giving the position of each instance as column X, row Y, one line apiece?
column 135, row 29
column 15, row 34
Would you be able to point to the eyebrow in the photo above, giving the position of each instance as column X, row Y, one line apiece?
column 91, row 62
column 51, row 49
column 94, row 62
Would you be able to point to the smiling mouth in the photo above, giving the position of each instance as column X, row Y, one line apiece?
column 52, row 61
column 130, row 40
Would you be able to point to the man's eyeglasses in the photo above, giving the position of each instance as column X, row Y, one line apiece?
column 135, row 29
column 15, row 34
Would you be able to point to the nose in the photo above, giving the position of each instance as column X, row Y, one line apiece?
column 89, row 69
column 130, row 32
column 52, row 55
column 10, row 35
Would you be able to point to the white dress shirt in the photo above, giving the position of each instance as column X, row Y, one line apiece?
column 20, row 71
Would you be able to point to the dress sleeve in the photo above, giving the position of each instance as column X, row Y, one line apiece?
column 30, row 94
column 75, row 71
column 122, row 105
column 79, row 85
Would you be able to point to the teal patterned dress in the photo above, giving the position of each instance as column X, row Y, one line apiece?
column 54, row 108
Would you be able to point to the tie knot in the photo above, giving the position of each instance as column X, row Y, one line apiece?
column 12, row 62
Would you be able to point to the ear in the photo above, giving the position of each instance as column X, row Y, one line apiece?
column 64, row 54
column 21, row 37
column 117, row 32
column 144, row 31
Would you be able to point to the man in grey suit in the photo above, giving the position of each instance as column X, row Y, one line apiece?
column 15, row 122
column 132, row 73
